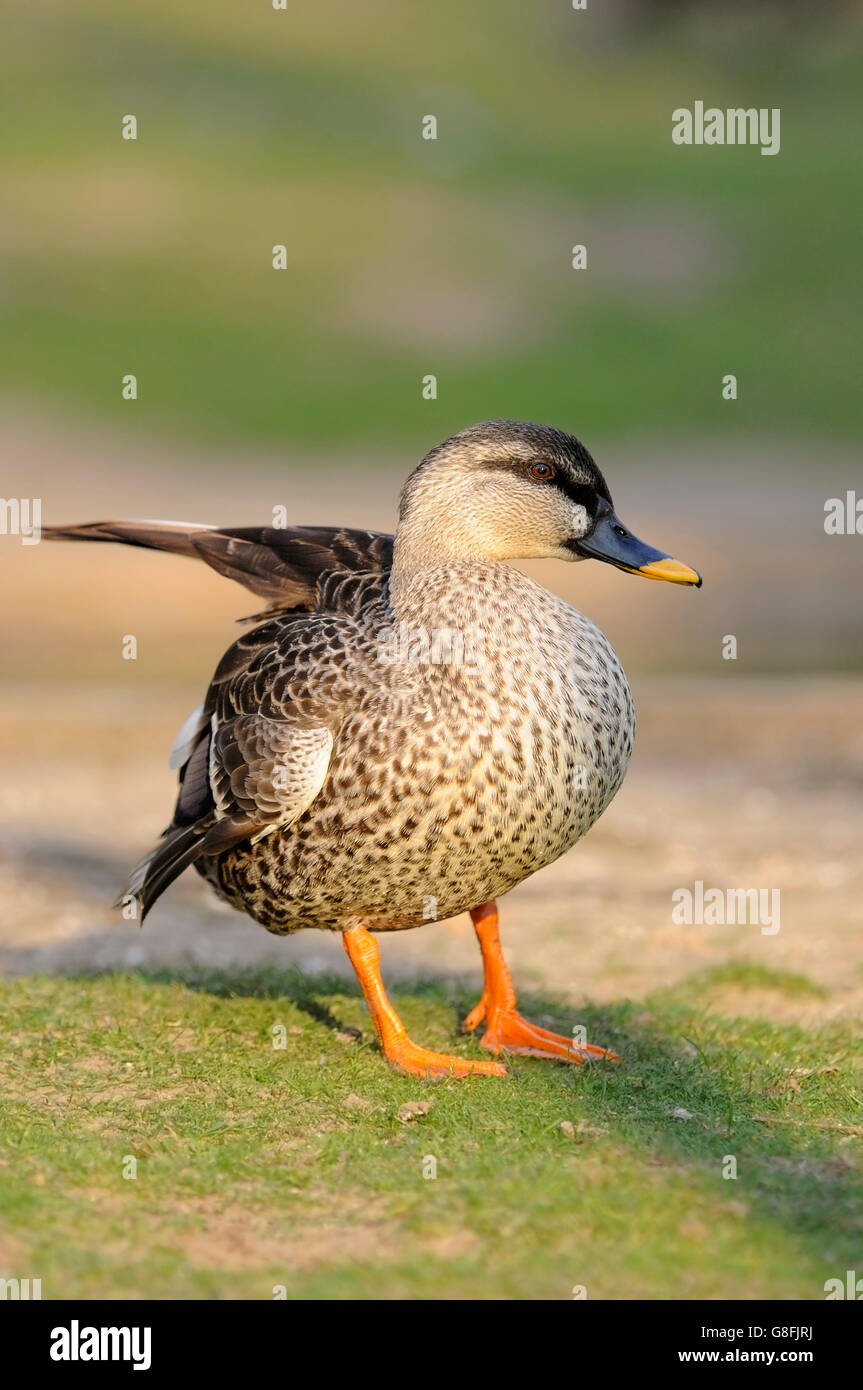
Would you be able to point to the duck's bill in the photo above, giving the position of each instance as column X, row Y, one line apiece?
column 610, row 541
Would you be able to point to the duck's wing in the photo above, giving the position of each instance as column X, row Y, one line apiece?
column 285, row 566
column 259, row 753
column 255, row 755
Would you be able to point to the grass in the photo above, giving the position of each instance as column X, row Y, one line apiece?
column 259, row 1167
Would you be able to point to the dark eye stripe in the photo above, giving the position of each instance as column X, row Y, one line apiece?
column 580, row 493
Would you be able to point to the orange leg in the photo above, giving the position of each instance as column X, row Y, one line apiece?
column 506, row 1030
column 362, row 948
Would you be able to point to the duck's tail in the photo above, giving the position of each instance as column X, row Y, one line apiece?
column 179, row 847
column 175, row 536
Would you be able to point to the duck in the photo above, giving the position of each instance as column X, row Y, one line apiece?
column 412, row 726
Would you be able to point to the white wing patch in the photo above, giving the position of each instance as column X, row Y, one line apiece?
column 300, row 774
column 184, row 743
column 270, row 770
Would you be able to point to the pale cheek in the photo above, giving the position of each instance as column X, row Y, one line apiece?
column 580, row 522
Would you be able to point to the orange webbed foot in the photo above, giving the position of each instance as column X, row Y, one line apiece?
column 507, row 1031
column 397, row 1047
column 408, row 1057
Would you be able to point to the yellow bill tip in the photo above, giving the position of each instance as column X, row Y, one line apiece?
column 672, row 571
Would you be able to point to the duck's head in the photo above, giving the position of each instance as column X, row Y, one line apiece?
column 505, row 490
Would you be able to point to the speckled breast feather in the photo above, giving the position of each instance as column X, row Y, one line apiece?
column 449, row 781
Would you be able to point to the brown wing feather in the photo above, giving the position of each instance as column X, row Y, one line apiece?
column 265, row 757
column 284, row 566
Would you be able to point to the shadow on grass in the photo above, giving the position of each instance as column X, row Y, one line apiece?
column 694, row 1090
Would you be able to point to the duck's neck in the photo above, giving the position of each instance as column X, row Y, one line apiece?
column 451, row 592
column 427, row 558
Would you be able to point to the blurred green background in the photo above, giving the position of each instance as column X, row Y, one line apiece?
column 409, row 256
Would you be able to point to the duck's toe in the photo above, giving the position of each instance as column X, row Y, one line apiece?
column 477, row 1014
column 408, row 1057
column 507, row 1031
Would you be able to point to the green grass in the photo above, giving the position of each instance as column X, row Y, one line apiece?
column 253, row 1172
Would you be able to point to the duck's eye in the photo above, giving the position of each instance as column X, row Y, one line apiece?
column 544, row 471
